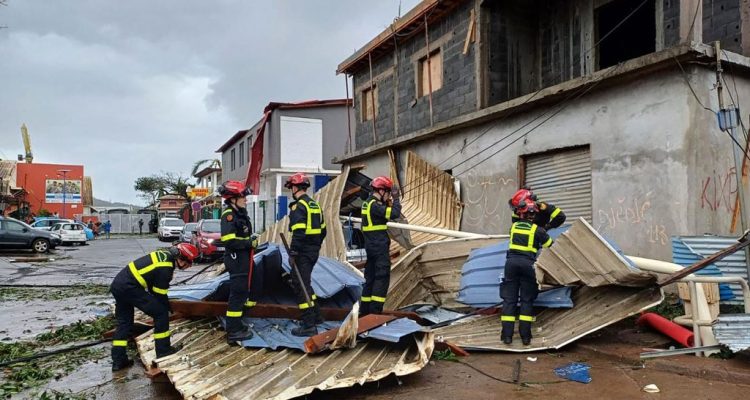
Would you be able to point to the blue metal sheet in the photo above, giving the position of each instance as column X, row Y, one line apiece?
column 393, row 331
column 433, row 313
column 274, row 333
column 683, row 254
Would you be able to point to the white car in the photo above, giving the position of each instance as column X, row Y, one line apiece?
column 70, row 232
column 170, row 228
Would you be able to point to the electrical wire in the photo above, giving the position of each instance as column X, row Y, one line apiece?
column 687, row 80
column 488, row 375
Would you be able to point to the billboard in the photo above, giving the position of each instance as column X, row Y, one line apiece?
column 53, row 192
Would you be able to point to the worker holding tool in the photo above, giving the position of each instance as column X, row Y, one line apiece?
column 143, row 284
column 237, row 238
column 519, row 281
column 548, row 215
column 382, row 206
column 308, row 231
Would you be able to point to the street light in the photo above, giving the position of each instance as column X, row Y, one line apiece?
column 64, row 173
column 3, row 204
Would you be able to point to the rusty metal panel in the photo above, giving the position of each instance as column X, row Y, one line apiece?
column 564, row 179
column 206, row 367
column 329, row 198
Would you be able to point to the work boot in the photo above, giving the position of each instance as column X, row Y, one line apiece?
column 121, row 364
column 305, row 331
column 167, row 352
column 318, row 315
column 233, row 338
column 507, row 340
column 526, row 341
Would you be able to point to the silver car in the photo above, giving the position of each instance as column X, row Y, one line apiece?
column 187, row 232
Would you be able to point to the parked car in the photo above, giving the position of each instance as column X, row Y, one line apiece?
column 170, row 228
column 45, row 223
column 70, row 232
column 15, row 234
column 207, row 238
column 187, row 232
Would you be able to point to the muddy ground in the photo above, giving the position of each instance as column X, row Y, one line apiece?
column 29, row 308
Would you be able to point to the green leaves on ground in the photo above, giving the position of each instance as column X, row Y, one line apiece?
column 51, row 293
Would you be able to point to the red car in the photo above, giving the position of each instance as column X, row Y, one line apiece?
column 207, row 238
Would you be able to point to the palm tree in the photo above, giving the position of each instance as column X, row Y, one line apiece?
column 212, row 163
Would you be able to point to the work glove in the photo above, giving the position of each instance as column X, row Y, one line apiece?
column 395, row 193
column 254, row 239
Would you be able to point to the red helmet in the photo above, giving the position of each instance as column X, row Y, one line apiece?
column 298, row 179
column 232, row 189
column 527, row 210
column 187, row 251
column 520, row 198
column 382, row 182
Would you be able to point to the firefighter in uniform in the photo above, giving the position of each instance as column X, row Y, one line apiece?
column 382, row 206
column 143, row 284
column 308, row 231
column 548, row 215
column 519, row 282
column 238, row 241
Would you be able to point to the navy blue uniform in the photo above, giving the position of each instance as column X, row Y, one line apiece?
column 375, row 216
column 236, row 234
column 308, row 231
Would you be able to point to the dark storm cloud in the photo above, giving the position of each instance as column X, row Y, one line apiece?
column 129, row 88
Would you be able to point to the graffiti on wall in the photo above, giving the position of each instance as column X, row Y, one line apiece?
column 485, row 207
column 719, row 190
column 633, row 213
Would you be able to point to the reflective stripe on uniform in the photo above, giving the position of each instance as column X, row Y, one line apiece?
column 234, row 314
column 161, row 335
column 527, row 318
column 366, row 299
column 158, row 259
column 508, row 318
column 301, row 225
column 312, row 209
column 388, row 211
column 518, row 228
column 159, row 290
column 554, row 214
column 250, row 303
column 120, row 343
column 369, row 227
column 305, row 306
column 233, row 236
column 314, row 296
column 548, row 243
column 378, row 299
column 225, row 212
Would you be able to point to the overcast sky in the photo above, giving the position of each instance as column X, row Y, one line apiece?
column 130, row 88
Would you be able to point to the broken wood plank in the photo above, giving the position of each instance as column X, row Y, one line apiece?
column 320, row 342
column 219, row 308
column 469, row 32
column 455, row 349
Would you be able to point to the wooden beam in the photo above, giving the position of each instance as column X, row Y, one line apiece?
column 219, row 308
column 470, row 32
column 320, row 342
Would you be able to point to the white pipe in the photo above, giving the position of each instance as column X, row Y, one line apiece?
column 429, row 229
column 664, row 267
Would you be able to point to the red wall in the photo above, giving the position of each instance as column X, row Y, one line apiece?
column 33, row 177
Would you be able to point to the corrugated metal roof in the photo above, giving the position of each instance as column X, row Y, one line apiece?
column 275, row 333
column 733, row 331
column 684, row 255
column 484, row 270
column 733, row 265
column 393, row 331
column 207, row 367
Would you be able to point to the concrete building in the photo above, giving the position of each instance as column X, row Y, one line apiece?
column 55, row 188
column 606, row 108
column 210, row 205
column 289, row 138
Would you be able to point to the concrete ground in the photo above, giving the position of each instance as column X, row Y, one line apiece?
column 617, row 372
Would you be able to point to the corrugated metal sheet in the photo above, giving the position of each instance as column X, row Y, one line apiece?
column 8, row 174
column 393, row 331
column 564, row 179
column 275, row 333
column 329, row 198
column 206, row 367
column 683, row 255
column 430, row 199
column 733, row 265
column 733, row 331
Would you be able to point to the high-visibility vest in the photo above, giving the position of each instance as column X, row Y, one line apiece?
column 315, row 223
column 367, row 224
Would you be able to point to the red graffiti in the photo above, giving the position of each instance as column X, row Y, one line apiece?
column 719, row 191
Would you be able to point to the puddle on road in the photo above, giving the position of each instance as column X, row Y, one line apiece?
column 24, row 319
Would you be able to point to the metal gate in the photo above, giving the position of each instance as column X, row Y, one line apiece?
column 562, row 178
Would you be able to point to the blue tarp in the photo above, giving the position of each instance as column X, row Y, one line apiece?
column 576, row 372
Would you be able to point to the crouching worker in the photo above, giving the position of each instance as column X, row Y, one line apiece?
column 519, row 282
column 143, row 284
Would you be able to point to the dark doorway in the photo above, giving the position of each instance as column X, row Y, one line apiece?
column 634, row 38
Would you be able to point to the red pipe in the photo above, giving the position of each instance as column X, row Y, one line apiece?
column 676, row 332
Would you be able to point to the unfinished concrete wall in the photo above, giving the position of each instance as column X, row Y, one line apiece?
column 722, row 21
column 560, row 41
column 671, row 22
column 653, row 152
column 400, row 109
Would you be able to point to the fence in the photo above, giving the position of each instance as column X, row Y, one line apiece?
column 121, row 223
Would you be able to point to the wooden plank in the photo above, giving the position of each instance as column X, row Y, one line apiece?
column 320, row 342
column 470, row 32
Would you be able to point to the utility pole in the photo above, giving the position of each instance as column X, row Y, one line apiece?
column 729, row 121
column 64, row 173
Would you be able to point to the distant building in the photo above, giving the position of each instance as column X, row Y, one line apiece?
column 170, row 205
column 210, row 205
column 290, row 137
column 56, row 188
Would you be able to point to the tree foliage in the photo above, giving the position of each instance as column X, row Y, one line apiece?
column 152, row 187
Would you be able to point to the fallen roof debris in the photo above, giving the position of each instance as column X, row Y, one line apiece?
column 733, row 331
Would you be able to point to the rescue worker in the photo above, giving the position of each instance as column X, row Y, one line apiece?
column 519, row 281
column 382, row 206
column 548, row 215
column 143, row 284
column 237, row 239
column 308, row 231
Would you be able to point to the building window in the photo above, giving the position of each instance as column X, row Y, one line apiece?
column 249, row 146
column 233, row 160
column 634, row 38
column 430, row 73
column 369, row 99
column 242, row 154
